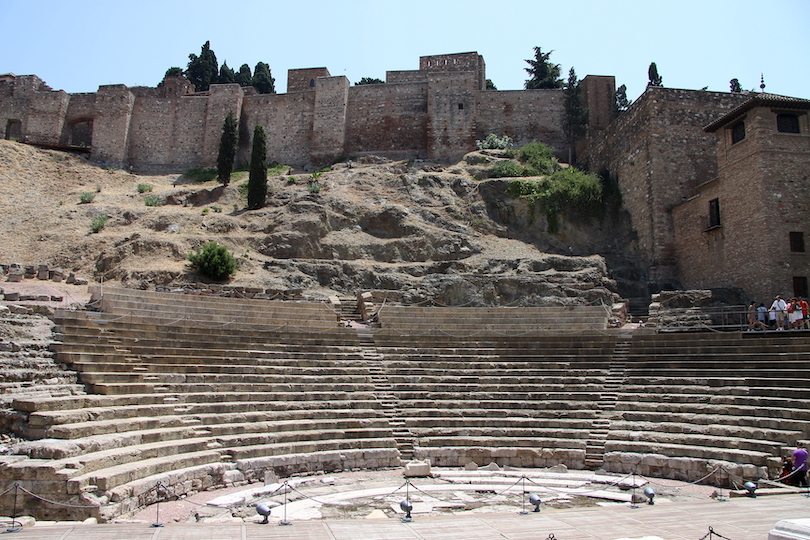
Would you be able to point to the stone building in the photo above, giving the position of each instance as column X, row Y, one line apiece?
column 746, row 226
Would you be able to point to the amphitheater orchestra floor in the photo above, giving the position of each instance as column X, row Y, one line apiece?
column 735, row 519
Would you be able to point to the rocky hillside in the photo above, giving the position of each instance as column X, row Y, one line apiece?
column 430, row 232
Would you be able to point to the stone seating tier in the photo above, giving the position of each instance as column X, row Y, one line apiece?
column 161, row 306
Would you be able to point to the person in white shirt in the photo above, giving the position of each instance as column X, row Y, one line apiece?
column 778, row 308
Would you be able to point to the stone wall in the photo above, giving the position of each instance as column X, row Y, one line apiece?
column 387, row 119
column 658, row 153
column 523, row 115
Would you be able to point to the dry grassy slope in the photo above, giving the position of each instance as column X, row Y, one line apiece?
column 373, row 225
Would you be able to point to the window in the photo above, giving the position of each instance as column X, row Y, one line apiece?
column 714, row 213
column 800, row 286
column 787, row 123
column 460, row 106
column 797, row 242
column 737, row 132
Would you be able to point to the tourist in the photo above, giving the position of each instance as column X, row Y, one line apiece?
column 762, row 315
column 778, row 310
column 794, row 314
column 753, row 321
column 800, row 465
column 805, row 313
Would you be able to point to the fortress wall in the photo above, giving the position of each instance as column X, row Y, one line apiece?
column 523, row 115
column 412, row 76
column 329, row 120
column 659, row 153
column 451, row 114
column 167, row 133
column 46, row 116
column 457, row 62
column 114, row 104
column 287, row 121
column 222, row 99
column 387, row 119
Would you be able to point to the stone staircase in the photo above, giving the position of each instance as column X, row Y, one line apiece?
column 385, row 393
column 600, row 430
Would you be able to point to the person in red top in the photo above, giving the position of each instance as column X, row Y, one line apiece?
column 805, row 312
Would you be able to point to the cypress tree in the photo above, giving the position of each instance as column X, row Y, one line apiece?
column 226, row 74
column 655, row 78
column 263, row 82
column 257, row 181
column 575, row 115
column 203, row 70
column 244, row 76
column 228, row 144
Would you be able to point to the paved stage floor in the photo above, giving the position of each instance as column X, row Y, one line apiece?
column 736, row 519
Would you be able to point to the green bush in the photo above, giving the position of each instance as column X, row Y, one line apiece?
column 503, row 169
column 153, row 200
column 98, row 222
column 201, row 174
column 539, row 157
column 565, row 189
column 314, row 187
column 144, row 188
column 86, row 197
column 213, row 260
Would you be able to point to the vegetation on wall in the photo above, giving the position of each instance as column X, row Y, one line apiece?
column 213, row 260
column 565, row 189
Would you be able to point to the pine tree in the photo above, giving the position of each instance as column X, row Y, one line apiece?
column 263, row 82
column 622, row 103
column 257, row 181
column 543, row 73
column 228, row 144
column 203, row 70
column 655, row 78
column 243, row 76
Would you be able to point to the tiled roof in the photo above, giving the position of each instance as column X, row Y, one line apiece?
column 758, row 100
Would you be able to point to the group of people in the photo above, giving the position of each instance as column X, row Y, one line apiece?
column 793, row 314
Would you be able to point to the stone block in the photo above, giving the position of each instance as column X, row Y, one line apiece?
column 417, row 469
column 791, row 529
column 15, row 277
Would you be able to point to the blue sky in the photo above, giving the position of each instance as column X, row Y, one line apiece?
column 79, row 46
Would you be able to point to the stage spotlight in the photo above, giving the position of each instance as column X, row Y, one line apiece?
column 406, row 507
column 263, row 510
column 534, row 498
column 751, row 488
column 650, row 493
